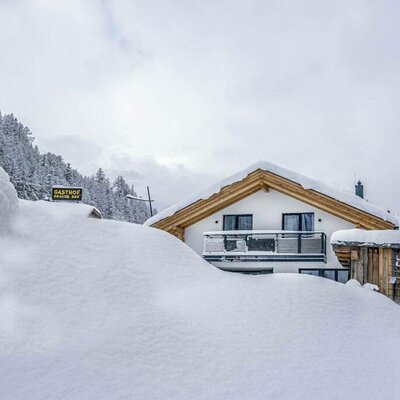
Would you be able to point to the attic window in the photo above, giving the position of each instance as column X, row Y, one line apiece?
column 238, row 222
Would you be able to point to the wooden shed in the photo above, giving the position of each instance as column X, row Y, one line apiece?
column 372, row 257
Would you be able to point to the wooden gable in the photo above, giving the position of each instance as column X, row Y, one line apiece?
column 265, row 180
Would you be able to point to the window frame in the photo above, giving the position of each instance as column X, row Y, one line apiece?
column 300, row 219
column 322, row 270
column 236, row 222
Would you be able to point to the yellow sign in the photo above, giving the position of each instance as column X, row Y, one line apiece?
column 60, row 193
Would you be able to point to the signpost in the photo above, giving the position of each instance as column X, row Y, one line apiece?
column 66, row 194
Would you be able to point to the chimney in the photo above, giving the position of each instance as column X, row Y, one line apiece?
column 360, row 189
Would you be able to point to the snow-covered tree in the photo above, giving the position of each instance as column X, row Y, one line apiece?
column 34, row 174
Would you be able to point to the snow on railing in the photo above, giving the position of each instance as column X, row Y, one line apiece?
column 264, row 241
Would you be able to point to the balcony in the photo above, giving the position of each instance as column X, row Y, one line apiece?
column 264, row 246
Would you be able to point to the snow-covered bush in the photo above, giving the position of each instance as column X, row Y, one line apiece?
column 8, row 201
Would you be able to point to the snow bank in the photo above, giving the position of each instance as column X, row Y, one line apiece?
column 307, row 183
column 8, row 201
column 361, row 237
column 99, row 309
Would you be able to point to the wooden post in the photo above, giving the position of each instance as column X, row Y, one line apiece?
column 179, row 232
column 354, row 265
column 375, row 266
column 364, row 265
column 381, row 270
column 387, row 266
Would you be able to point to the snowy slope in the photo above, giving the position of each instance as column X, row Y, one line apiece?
column 307, row 183
column 99, row 309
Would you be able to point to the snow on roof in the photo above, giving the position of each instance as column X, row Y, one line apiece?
column 61, row 209
column 112, row 310
column 372, row 238
column 307, row 183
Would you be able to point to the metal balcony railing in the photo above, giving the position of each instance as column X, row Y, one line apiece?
column 263, row 245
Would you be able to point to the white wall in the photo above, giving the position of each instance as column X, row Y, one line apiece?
column 267, row 209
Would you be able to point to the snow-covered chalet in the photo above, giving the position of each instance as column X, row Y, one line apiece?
column 268, row 219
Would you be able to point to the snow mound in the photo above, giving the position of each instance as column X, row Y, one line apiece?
column 8, row 201
column 99, row 309
column 368, row 286
column 361, row 237
column 371, row 286
column 307, row 183
column 62, row 210
column 353, row 283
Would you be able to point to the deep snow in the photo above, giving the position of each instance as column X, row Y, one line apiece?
column 99, row 309
column 307, row 183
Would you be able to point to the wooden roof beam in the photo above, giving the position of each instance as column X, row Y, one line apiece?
column 206, row 207
column 264, row 180
column 205, row 211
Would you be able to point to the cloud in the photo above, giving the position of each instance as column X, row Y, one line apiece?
column 168, row 183
column 76, row 150
column 210, row 86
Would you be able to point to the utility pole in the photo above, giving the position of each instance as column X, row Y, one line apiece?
column 149, row 200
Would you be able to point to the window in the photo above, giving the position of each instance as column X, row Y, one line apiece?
column 238, row 222
column 298, row 222
column 338, row 275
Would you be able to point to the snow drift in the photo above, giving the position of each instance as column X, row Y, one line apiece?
column 98, row 309
column 8, row 201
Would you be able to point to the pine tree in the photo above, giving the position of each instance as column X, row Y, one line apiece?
column 34, row 174
column 68, row 173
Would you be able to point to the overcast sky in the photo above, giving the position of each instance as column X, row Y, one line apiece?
column 186, row 92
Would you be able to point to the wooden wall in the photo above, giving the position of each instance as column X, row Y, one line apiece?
column 376, row 265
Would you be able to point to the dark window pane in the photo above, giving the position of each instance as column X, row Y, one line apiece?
column 307, row 222
column 298, row 222
column 291, row 222
column 330, row 274
column 238, row 222
column 343, row 276
column 229, row 222
column 314, row 272
column 245, row 222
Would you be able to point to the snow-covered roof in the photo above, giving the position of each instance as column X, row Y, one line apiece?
column 307, row 183
column 361, row 237
column 63, row 209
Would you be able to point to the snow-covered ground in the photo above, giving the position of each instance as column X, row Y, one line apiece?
column 98, row 309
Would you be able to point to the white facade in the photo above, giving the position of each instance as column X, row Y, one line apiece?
column 267, row 209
